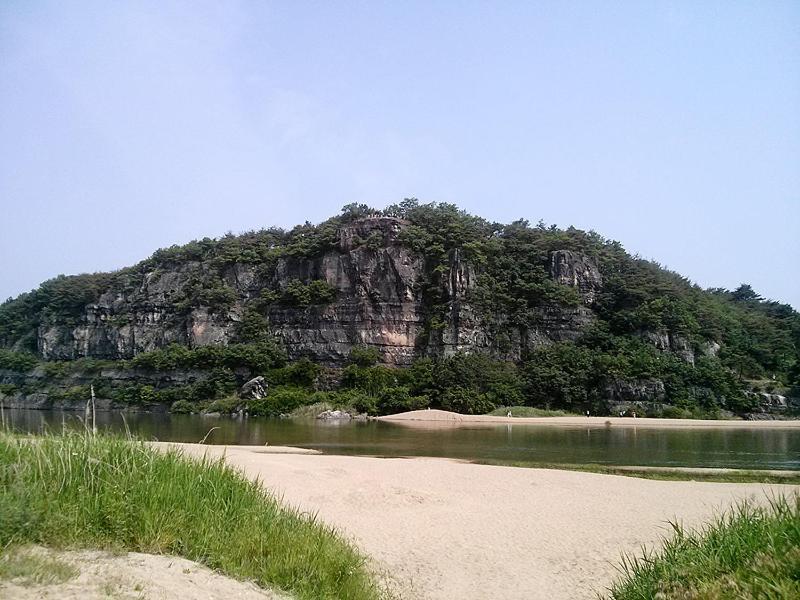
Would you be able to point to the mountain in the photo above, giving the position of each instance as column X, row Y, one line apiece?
column 479, row 314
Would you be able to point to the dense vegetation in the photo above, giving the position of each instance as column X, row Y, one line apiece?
column 758, row 340
column 752, row 552
column 78, row 491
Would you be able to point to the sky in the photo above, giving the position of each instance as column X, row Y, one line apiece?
column 673, row 127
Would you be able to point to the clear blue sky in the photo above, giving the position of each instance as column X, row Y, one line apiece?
column 672, row 127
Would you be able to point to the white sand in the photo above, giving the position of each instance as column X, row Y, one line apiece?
column 438, row 417
column 440, row 529
column 133, row 576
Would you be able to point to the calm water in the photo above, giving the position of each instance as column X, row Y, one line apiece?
column 737, row 448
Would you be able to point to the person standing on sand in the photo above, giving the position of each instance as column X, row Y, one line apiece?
column 509, row 414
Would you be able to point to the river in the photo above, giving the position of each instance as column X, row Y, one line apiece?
column 731, row 448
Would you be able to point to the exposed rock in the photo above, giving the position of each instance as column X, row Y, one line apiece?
column 379, row 303
column 671, row 342
column 770, row 403
column 334, row 415
column 576, row 270
column 255, row 389
column 40, row 390
column 647, row 390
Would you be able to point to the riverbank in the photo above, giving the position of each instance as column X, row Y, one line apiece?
column 440, row 418
column 437, row 528
column 76, row 491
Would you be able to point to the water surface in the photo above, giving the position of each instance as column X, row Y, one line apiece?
column 732, row 448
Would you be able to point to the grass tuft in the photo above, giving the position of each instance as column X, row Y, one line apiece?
column 658, row 473
column 26, row 566
column 750, row 552
column 530, row 411
column 80, row 491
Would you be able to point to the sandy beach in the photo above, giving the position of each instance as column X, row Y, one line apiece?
column 443, row 417
column 442, row 529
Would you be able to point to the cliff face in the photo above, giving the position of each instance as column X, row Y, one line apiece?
column 379, row 302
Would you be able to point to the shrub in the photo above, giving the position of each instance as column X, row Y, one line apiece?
column 465, row 401
column 302, row 373
column 398, row 399
column 227, row 405
column 363, row 356
column 182, row 407
column 279, row 401
column 17, row 361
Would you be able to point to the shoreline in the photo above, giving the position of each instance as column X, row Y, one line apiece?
column 439, row 528
column 441, row 418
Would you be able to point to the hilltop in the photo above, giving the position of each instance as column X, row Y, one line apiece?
column 415, row 305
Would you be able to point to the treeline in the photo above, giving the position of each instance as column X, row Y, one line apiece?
column 566, row 376
column 756, row 341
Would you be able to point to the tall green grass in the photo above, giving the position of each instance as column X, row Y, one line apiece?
column 751, row 552
column 82, row 491
column 529, row 411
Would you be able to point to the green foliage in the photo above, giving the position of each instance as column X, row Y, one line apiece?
column 370, row 380
column 182, row 407
column 301, row 295
column 751, row 552
column 225, row 406
column 301, row 373
column 466, row 401
column 513, row 292
column 81, row 491
column 17, row 361
column 252, row 328
column 529, row 411
column 32, row 566
column 363, row 356
column 256, row 357
column 279, row 401
column 6, row 389
column 399, row 399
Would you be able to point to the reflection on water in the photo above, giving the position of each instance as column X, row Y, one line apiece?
column 736, row 448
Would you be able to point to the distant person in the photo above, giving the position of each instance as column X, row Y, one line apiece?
column 508, row 414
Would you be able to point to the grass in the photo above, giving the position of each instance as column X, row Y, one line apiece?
column 751, row 552
column 310, row 411
column 529, row 411
column 26, row 567
column 79, row 491
column 722, row 476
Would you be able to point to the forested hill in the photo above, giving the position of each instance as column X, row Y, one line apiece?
column 480, row 314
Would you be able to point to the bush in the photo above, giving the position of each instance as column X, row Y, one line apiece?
column 465, row 401
column 370, row 380
column 258, row 357
column 301, row 295
column 17, row 361
column 182, row 407
column 398, row 399
column 279, row 401
column 301, row 373
column 363, row 356
column 225, row 406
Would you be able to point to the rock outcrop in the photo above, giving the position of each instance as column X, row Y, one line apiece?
column 576, row 270
column 379, row 302
column 255, row 389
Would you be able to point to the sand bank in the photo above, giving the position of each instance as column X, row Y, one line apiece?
column 438, row 418
column 441, row 529
column 101, row 575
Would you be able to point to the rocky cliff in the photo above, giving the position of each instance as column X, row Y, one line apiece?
column 379, row 302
